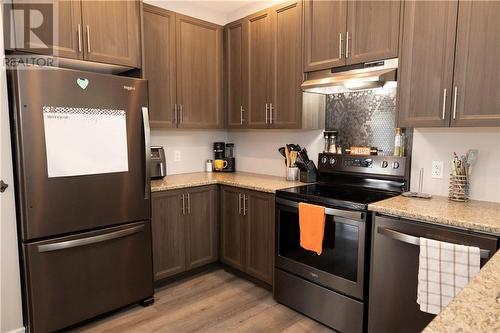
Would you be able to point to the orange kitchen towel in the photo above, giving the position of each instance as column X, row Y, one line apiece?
column 312, row 226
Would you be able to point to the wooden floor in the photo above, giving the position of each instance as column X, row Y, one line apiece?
column 215, row 301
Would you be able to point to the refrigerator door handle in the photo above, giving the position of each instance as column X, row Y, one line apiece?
column 147, row 151
column 89, row 240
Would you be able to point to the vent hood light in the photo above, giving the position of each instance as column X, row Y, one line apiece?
column 358, row 77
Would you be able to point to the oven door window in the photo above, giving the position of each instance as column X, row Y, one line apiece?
column 341, row 244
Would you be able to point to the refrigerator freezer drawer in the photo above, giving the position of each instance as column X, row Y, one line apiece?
column 75, row 278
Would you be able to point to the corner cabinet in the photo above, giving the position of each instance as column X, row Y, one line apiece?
column 264, row 71
column 99, row 31
column 247, row 231
column 183, row 64
column 449, row 80
column 184, row 230
column 340, row 33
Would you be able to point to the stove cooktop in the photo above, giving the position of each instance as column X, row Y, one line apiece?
column 343, row 196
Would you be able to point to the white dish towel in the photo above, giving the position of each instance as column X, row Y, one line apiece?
column 443, row 270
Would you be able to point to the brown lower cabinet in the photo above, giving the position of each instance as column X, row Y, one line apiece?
column 184, row 230
column 247, row 231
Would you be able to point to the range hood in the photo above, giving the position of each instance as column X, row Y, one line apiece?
column 368, row 75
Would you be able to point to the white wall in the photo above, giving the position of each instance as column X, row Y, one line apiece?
column 195, row 148
column 10, row 290
column 191, row 8
column 439, row 144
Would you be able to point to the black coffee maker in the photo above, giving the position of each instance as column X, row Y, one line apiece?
column 224, row 157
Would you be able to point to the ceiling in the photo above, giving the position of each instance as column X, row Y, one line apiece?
column 217, row 11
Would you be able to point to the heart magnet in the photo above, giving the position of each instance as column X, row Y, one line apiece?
column 83, row 83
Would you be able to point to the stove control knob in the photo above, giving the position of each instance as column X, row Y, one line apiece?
column 324, row 160
column 333, row 161
column 395, row 165
column 385, row 164
column 368, row 163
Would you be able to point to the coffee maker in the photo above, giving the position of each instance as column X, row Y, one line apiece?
column 224, row 157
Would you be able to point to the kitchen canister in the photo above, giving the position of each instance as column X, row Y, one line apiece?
column 292, row 173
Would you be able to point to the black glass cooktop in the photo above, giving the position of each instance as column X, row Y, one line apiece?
column 345, row 196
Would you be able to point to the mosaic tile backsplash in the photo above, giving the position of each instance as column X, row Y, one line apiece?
column 363, row 118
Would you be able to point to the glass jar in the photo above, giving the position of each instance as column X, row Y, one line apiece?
column 229, row 150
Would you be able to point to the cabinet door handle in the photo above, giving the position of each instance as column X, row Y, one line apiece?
column 241, row 114
column 340, row 46
column 181, row 114
column 79, row 38
column 175, row 113
column 188, row 203
column 455, row 103
column 444, row 103
column 347, row 45
column 271, row 108
column 245, row 209
column 267, row 110
column 239, row 203
column 183, row 208
column 88, row 39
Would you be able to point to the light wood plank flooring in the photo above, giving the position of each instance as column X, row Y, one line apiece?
column 215, row 301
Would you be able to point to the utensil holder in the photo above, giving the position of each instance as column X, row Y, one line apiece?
column 459, row 188
column 292, row 174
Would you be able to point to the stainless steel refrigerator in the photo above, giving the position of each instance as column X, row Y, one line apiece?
column 81, row 156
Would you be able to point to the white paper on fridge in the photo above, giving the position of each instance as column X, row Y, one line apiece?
column 85, row 141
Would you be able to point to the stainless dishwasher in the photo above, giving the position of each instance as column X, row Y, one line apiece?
column 394, row 270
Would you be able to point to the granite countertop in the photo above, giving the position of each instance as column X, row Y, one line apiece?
column 247, row 180
column 476, row 308
column 472, row 215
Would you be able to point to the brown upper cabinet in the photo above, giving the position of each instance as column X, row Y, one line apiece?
column 235, row 35
column 339, row 33
column 112, row 32
column 449, row 79
column 183, row 64
column 159, row 65
column 264, row 71
column 199, row 73
column 99, row 31
column 476, row 92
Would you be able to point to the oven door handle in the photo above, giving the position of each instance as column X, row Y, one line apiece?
column 351, row 215
column 413, row 240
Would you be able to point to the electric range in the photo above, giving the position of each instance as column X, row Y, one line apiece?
column 332, row 287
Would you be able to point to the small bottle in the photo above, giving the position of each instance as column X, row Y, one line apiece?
column 209, row 166
column 397, row 142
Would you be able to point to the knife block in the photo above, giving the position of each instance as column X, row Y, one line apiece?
column 309, row 176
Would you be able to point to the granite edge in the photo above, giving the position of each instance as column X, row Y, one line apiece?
column 468, row 225
column 217, row 182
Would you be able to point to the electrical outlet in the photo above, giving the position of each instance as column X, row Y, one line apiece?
column 437, row 169
column 177, row 156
